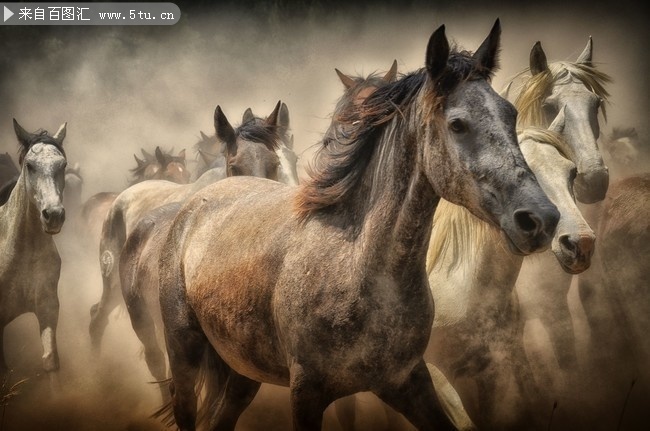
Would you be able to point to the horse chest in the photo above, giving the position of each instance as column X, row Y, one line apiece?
column 25, row 275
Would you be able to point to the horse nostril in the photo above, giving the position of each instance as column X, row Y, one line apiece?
column 568, row 245
column 527, row 221
column 46, row 215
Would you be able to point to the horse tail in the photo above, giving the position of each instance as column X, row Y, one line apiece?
column 213, row 376
column 210, row 390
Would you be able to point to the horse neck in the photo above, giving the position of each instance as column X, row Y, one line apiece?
column 397, row 208
column 22, row 225
column 468, row 259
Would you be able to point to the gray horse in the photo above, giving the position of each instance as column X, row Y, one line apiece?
column 29, row 263
column 323, row 288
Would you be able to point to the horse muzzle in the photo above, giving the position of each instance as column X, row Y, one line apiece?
column 531, row 230
column 574, row 251
column 52, row 219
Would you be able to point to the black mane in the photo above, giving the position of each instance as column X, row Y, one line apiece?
column 343, row 157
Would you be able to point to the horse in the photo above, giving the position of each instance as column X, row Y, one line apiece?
column 212, row 153
column 323, row 287
column 250, row 150
column 577, row 88
column 157, row 166
column 30, row 264
column 477, row 336
column 139, row 261
column 615, row 292
column 472, row 278
column 163, row 166
column 627, row 153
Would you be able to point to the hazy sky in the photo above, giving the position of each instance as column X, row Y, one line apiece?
column 122, row 88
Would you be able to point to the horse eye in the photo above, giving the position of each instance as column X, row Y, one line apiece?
column 457, row 126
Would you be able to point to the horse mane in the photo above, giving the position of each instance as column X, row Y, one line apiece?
column 342, row 158
column 40, row 136
column 458, row 233
column 534, row 89
column 545, row 136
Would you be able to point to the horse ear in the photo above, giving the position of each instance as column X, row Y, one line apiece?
column 181, row 155
column 392, row 73
column 248, row 116
column 585, row 56
column 506, row 91
column 224, row 130
column 347, row 81
column 272, row 119
column 160, row 157
column 148, row 157
column 203, row 135
column 538, row 63
column 487, row 55
column 437, row 53
column 140, row 162
column 23, row 135
column 59, row 136
column 557, row 125
column 283, row 117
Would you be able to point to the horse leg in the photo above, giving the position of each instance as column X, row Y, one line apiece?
column 47, row 313
column 113, row 239
column 238, row 393
column 186, row 348
column 309, row 398
column 417, row 400
column 109, row 301
column 145, row 328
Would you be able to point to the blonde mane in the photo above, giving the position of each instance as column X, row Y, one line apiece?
column 546, row 136
column 456, row 233
column 534, row 89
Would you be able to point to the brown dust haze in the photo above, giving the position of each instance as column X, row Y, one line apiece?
column 122, row 88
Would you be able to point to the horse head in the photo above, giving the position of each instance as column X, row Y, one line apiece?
column 43, row 163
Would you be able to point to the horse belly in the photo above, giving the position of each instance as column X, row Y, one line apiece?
column 238, row 322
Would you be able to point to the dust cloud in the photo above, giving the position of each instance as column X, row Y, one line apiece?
column 125, row 88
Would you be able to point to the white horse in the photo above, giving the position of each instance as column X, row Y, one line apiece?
column 577, row 91
column 29, row 263
column 476, row 332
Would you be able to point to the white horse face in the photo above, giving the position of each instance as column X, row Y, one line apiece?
column 44, row 170
column 574, row 240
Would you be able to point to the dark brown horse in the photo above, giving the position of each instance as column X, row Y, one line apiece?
column 250, row 150
column 323, row 288
column 213, row 153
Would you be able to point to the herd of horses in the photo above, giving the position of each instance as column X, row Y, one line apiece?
column 428, row 188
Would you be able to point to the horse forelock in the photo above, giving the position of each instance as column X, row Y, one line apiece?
column 39, row 137
column 344, row 156
column 261, row 133
column 534, row 89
